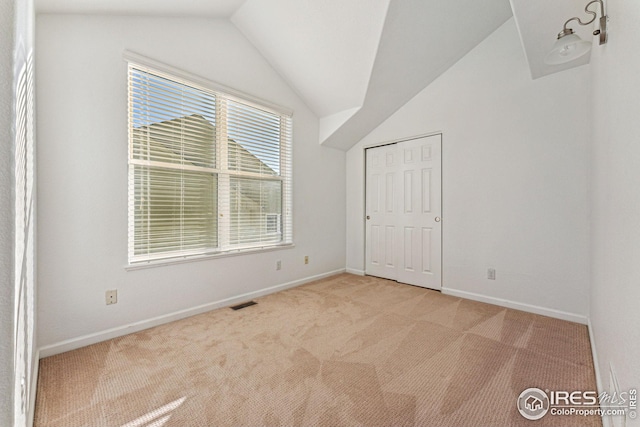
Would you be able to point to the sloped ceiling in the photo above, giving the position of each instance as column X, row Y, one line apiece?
column 325, row 49
column 356, row 62
column 421, row 39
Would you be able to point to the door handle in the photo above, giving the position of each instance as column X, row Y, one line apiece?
column 437, row 219
column 368, row 217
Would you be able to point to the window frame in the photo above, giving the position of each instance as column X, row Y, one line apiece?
column 224, row 94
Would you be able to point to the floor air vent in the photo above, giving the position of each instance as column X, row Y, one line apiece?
column 243, row 305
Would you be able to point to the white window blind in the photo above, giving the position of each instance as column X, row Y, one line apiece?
column 208, row 172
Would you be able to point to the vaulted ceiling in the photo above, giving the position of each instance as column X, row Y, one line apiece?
column 355, row 62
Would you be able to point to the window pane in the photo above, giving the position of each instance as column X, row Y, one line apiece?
column 256, row 211
column 254, row 139
column 174, row 210
column 171, row 122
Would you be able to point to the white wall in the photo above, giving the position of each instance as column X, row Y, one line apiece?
column 26, row 363
column 82, row 107
column 514, row 177
column 17, row 360
column 615, row 200
column 7, row 312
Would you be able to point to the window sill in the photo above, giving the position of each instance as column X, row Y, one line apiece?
column 193, row 258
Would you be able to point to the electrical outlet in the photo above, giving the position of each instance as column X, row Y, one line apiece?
column 306, row 259
column 111, row 296
column 278, row 265
column 491, row 274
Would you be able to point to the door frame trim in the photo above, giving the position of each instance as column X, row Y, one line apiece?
column 442, row 214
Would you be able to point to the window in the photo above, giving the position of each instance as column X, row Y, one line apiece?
column 209, row 172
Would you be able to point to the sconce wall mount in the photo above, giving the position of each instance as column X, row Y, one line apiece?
column 569, row 46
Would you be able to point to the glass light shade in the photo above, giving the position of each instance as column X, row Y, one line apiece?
column 567, row 48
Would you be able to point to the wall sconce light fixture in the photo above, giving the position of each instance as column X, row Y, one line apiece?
column 569, row 46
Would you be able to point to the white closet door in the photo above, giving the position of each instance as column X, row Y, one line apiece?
column 382, row 186
column 404, row 202
column 420, row 225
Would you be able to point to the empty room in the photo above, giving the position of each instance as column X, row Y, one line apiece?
column 319, row 213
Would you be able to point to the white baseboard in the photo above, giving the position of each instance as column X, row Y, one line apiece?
column 563, row 315
column 108, row 334
column 606, row 421
column 356, row 272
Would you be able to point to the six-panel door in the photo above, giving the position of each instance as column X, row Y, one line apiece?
column 403, row 208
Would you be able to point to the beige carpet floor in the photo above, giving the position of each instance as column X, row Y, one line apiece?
column 344, row 351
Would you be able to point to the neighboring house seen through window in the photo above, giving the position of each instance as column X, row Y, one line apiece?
column 208, row 172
